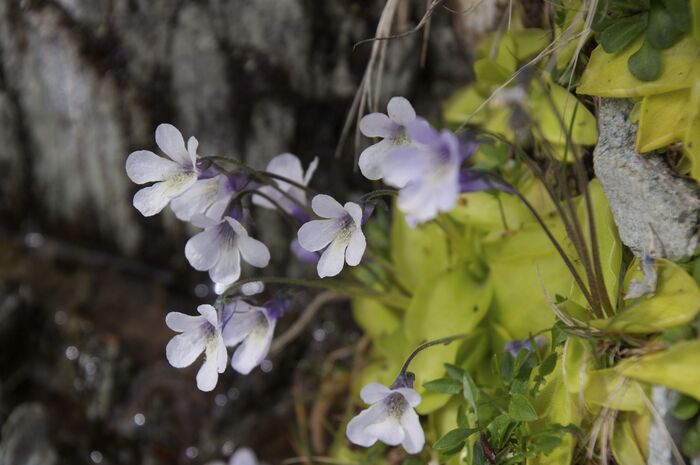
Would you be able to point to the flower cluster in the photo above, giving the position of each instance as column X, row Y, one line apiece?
column 426, row 166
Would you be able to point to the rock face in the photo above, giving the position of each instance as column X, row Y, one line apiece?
column 654, row 209
column 25, row 437
column 85, row 82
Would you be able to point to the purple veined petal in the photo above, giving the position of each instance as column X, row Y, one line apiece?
column 356, row 430
column 192, row 144
column 332, row 259
column 209, row 312
column 356, row 248
column 221, row 354
column 316, row 234
column 414, row 437
column 208, row 376
column 372, row 159
column 254, row 348
column 180, row 322
column 411, row 396
column 374, row 392
column 404, row 164
column 420, row 131
column 400, row 111
column 377, row 125
column 244, row 319
column 228, row 269
column 183, row 349
column 204, row 249
column 389, row 431
column 151, row 200
column 326, row 206
column 145, row 166
column 355, row 212
column 253, row 251
column 197, row 199
column 310, row 171
column 170, row 141
column 243, row 456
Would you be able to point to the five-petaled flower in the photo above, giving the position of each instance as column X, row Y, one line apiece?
column 219, row 248
column 427, row 174
column 288, row 166
column 391, row 418
column 392, row 130
column 208, row 196
column 252, row 327
column 340, row 229
column 198, row 334
column 172, row 176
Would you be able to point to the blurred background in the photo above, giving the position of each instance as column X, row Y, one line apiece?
column 85, row 281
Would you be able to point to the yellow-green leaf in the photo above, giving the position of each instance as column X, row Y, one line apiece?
column 675, row 302
column 607, row 388
column 691, row 141
column 662, row 120
column 675, row 367
column 624, row 445
column 607, row 75
column 374, row 318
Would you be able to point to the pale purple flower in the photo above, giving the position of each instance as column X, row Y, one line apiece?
column 219, row 248
column 252, row 327
column 171, row 176
column 242, row 456
column 391, row 128
column 339, row 229
column 391, row 418
column 288, row 166
column 515, row 346
column 209, row 197
column 427, row 174
column 198, row 334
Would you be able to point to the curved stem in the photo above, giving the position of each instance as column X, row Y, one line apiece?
column 425, row 345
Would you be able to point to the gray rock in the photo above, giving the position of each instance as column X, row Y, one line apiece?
column 654, row 209
column 25, row 438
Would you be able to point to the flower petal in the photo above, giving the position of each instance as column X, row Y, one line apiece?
column 355, row 212
column 411, row 396
column 252, row 288
column 243, row 456
column 374, row 392
column 356, row 430
column 208, row 375
column 209, row 312
column 326, row 206
column 287, row 165
column 254, row 348
column 184, row 348
column 310, row 170
column 221, row 354
column 204, row 249
column 151, row 200
column 388, row 431
column 197, row 199
column 376, row 125
column 253, row 251
column 333, row 258
column 372, row 158
column 228, row 269
column 405, row 163
column 356, row 248
column 192, row 144
column 244, row 319
column 414, row 438
column 400, row 111
column 145, row 166
column 317, row 234
column 170, row 141
column 180, row 322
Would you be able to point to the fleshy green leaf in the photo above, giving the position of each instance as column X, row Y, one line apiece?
column 686, row 408
column 662, row 31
